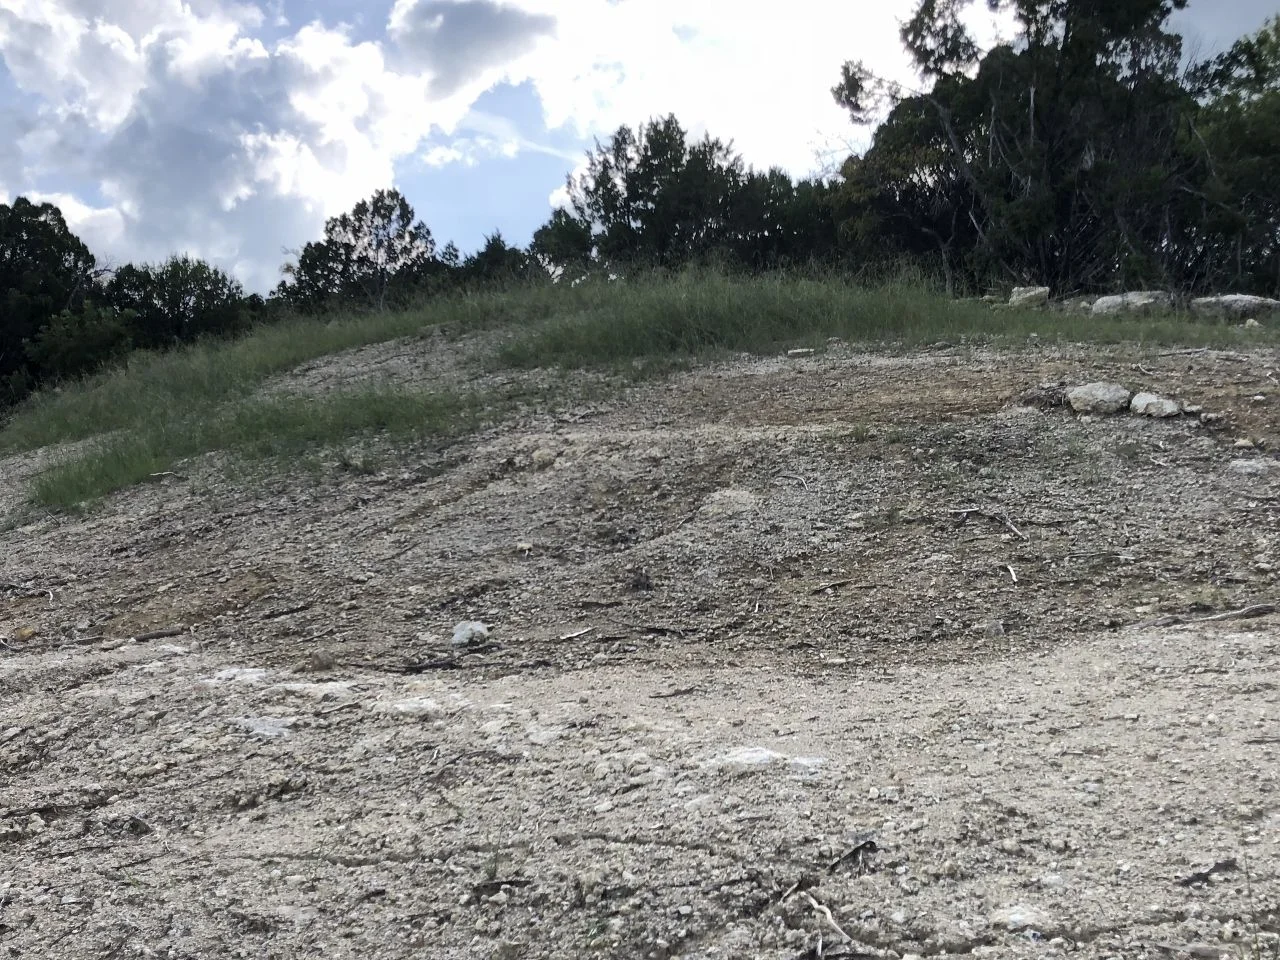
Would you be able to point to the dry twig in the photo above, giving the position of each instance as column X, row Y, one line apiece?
column 1245, row 613
column 965, row 512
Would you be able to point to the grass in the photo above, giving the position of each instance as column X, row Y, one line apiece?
column 203, row 376
column 160, row 408
column 701, row 314
column 285, row 428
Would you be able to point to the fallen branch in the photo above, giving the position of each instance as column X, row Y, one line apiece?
column 792, row 476
column 825, row 912
column 681, row 692
column 159, row 634
column 833, row 585
column 1245, row 613
column 965, row 512
column 286, row 611
column 580, row 633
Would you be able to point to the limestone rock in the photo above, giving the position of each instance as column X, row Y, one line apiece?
column 1151, row 405
column 1099, row 398
column 470, row 633
column 1234, row 306
column 1254, row 468
column 1029, row 297
column 1138, row 301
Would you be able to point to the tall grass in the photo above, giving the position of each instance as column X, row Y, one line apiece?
column 283, row 427
column 159, row 408
column 705, row 313
column 197, row 378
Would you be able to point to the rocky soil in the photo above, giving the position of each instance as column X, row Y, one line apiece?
column 838, row 656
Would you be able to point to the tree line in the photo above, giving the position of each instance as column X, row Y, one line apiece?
column 1089, row 153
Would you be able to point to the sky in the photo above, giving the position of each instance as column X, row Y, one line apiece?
column 230, row 130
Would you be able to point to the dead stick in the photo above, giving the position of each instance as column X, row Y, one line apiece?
column 823, row 587
column 160, row 634
column 1245, row 613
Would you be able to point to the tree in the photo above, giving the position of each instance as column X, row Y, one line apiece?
column 652, row 198
column 77, row 342
column 1239, row 128
column 374, row 255
column 564, row 244
column 178, row 301
column 497, row 262
column 1067, row 157
column 44, row 270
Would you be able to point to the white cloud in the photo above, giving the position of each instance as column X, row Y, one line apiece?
column 203, row 136
column 99, row 227
column 758, row 74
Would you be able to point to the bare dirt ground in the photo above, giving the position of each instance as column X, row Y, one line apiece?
column 855, row 655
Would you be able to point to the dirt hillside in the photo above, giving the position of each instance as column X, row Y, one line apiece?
column 849, row 655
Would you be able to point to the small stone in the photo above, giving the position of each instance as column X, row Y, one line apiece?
column 1244, row 443
column 543, row 458
column 1151, row 405
column 1008, row 845
column 1020, row 917
column 1099, row 398
column 470, row 633
column 1029, row 297
column 1253, row 468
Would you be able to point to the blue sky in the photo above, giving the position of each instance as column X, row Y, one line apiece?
column 229, row 129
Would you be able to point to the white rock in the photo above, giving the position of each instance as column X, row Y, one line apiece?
column 1151, row 405
column 1099, row 398
column 1253, row 468
column 266, row 726
column 237, row 675
column 469, row 633
column 423, row 707
column 743, row 760
column 1138, row 301
column 1029, row 297
column 729, row 502
column 1020, row 917
column 1236, row 306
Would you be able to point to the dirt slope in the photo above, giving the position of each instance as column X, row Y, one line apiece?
column 744, row 621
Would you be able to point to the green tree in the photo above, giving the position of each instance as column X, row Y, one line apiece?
column 1239, row 128
column 651, row 198
column 178, row 301
column 75, row 343
column 44, row 270
column 375, row 255
column 1066, row 157
column 497, row 262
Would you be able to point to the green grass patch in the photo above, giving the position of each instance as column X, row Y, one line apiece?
column 285, row 428
column 199, row 378
column 698, row 314
column 159, row 408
